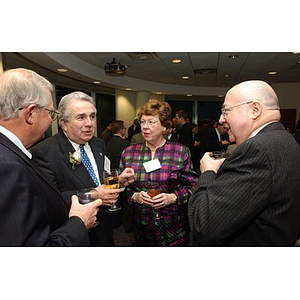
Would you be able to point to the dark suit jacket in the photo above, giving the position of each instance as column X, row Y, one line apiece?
column 211, row 142
column 32, row 211
column 185, row 135
column 52, row 156
column 254, row 199
column 115, row 147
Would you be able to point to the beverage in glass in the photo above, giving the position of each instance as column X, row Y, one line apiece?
column 111, row 181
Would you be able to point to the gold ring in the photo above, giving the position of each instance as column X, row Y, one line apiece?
column 162, row 203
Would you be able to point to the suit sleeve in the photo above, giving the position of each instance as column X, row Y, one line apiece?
column 223, row 203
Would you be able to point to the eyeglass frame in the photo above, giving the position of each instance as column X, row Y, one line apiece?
column 224, row 110
column 53, row 113
column 150, row 123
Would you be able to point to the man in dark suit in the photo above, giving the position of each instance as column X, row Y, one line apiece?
column 117, row 143
column 32, row 211
column 77, row 115
column 252, row 197
column 215, row 139
column 184, row 133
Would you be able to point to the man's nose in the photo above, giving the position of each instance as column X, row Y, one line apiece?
column 222, row 119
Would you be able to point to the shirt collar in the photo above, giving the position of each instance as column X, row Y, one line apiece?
column 256, row 131
column 76, row 146
column 13, row 138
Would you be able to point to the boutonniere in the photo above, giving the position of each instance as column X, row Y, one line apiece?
column 75, row 159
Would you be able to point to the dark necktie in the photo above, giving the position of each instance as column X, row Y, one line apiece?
column 87, row 163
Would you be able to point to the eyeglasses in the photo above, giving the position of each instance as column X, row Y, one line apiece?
column 150, row 123
column 53, row 114
column 225, row 111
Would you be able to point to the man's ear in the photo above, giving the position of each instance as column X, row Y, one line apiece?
column 29, row 113
column 62, row 125
column 256, row 110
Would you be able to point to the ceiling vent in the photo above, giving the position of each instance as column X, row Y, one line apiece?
column 115, row 69
column 142, row 55
column 205, row 71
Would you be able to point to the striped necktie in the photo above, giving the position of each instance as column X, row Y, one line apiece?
column 87, row 163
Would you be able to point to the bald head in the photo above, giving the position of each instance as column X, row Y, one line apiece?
column 256, row 91
column 248, row 106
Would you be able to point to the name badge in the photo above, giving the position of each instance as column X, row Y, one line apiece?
column 152, row 165
column 106, row 164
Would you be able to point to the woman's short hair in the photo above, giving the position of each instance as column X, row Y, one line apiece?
column 155, row 107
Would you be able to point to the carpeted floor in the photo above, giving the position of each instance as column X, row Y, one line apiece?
column 122, row 238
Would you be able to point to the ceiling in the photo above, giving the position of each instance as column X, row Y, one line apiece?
column 210, row 73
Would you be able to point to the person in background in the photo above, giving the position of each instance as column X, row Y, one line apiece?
column 137, row 139
column 107, row 134
column 169, row 165
column 216, row 139
column 169, row 133
column 195, row 148
column 32, row 211
column 77, row 119
column 184, row 131
column 252, row 197
column 117, row 143
column 134, row 128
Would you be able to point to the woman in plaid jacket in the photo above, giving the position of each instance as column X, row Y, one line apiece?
column 169, row 165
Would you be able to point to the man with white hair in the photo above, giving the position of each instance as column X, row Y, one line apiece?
column 32, row 211
column 252, row 197
column 77, row 119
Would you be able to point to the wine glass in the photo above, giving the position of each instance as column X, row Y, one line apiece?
column 152, row 191
column 86, row 196
column 111, row 181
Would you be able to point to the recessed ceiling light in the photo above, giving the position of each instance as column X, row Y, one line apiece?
column 189, row 95
column 176, row 61
column 185, row 77
column 61, row 70
column 97, row 82
column 128, row 89
column 272, row 73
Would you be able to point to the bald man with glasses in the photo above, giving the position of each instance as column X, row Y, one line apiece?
column 252, row 197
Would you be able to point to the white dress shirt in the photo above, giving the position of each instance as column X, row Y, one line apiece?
column 90, row 155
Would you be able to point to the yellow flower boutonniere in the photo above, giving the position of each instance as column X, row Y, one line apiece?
column 75, row 159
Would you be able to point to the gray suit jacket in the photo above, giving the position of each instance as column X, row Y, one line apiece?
column 254, row 199
column 52, row 156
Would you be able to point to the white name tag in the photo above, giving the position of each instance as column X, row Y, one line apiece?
column 152, row 165
column 106, row 164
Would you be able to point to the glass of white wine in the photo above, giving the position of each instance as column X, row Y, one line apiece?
column 111, row 181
